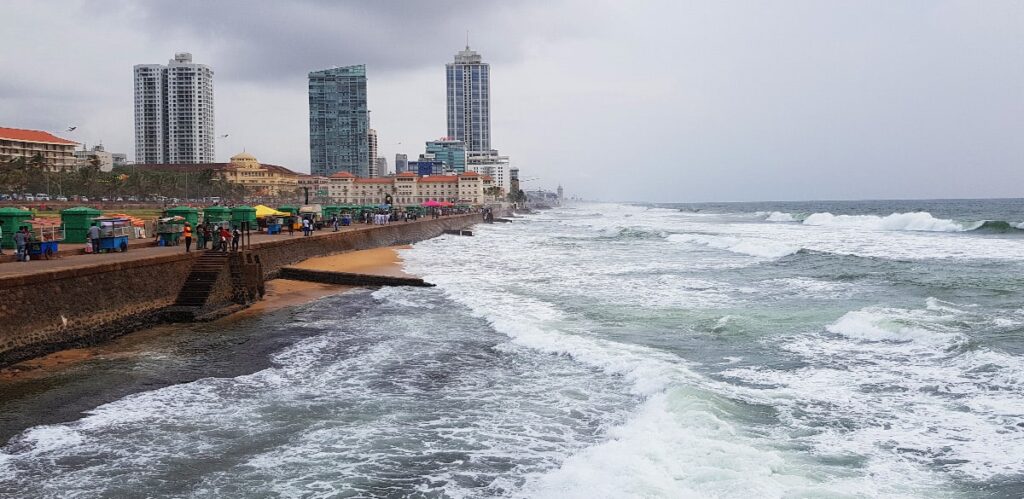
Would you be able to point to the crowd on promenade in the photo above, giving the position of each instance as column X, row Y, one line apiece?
column 226, row 237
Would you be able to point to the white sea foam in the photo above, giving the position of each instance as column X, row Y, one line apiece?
column 917, row 221
column 909, row 388
column 778, row 216
column 762, row 248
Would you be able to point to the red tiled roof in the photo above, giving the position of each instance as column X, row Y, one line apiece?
column 469, row 174
column 32, row 136
column 488, row 177
column 440, row 178
column 407, row 174
column 343, row 175
column 374, row 180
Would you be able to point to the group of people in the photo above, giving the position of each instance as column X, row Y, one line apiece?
column 21, row 237
column 218, row 237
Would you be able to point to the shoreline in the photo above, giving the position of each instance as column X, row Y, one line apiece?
column 63, row 386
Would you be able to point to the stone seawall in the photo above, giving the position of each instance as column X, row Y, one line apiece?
column 49, row 311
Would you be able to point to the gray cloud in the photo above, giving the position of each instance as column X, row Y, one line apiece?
column 658, row 100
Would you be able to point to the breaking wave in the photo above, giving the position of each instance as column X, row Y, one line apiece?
column 919, row 221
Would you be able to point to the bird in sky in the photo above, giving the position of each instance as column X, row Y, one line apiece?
column 224, row 136
column 72, row 129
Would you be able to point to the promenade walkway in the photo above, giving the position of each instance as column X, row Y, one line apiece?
column 68, row 260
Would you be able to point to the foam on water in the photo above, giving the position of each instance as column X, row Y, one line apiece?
column 920, row 221
column 911, row 387
column 778, row 216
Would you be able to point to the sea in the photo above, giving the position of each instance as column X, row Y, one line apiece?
column 768, row 350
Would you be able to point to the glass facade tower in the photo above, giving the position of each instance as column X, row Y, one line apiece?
column 469, row 100
column 451, row 152
column 339, row 122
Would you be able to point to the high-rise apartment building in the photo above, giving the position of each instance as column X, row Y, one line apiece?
column 339, row 122
column 372, row 144
column 174, row 120
column 469, row 100
column 401, row 163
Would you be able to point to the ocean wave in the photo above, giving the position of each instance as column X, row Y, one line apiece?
column 778, row 216
column 912, row 388
column 918, row 221
column 762, row 248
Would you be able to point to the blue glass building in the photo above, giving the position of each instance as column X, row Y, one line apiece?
column 452, row 152
column 339, row 122
column 469, row 100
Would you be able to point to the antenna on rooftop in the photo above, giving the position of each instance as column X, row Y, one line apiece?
column 467, row 39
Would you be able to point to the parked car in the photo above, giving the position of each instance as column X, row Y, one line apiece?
column 62, row 198
column 29, row 197
column 42, row 197
column 84, row 199
column 104, row 199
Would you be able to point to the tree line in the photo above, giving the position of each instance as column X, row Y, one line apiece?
column 33, row 175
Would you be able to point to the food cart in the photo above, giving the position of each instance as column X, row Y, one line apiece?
column 114, row 233
column 170, row 229
column 45, row 239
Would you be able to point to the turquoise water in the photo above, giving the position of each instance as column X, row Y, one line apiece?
column 866, row 349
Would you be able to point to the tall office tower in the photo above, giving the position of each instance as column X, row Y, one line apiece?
column 401, row 163
column 372, row 143
column 339, row 122
column 174, row 112
column 469, row 100
column 382, row 167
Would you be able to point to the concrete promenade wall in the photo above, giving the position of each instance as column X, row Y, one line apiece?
column 49, row 311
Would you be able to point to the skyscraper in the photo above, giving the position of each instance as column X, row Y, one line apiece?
column 372, row 144
column 339, row 122
column 401, row 163
column 174, row 112
column 469, row 100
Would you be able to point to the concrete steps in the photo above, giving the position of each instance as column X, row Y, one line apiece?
column 201, row 279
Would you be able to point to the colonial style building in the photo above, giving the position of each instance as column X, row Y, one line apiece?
column 408, row 188
column 57, row 153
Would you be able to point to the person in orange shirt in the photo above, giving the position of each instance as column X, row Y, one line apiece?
column 188, row 237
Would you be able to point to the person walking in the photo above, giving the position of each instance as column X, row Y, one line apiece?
column 94, row 236
column 188, row 237
column 334, row 222
column 21, row 239
column 236, row 236
column 1, row 237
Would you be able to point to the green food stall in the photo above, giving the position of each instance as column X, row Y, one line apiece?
column 216, row 214
column 76, row 222
column 191, row 215
column 240, row 214
column 13, row 219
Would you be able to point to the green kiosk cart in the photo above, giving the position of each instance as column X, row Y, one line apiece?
column 243, row 213
column 13, row 219
column 169, row 230
column 330, row 211
column 190, row 214
column 76, row 222
column 217, row 215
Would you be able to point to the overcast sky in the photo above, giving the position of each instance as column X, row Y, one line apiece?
column 628, row 100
